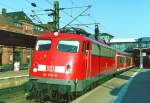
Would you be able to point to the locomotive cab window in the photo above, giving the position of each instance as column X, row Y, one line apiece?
column 68, row 46
column 43, row 45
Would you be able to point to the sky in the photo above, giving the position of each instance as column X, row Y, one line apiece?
column 120, row 18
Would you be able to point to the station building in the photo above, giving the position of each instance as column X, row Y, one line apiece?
column 18, row 22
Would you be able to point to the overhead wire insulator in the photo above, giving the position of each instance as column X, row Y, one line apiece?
column 33, row 4
column 96, row 31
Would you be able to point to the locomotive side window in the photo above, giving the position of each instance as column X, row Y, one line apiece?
column 95, row 50
column 43, row 45
column 107, row 52
column 68, row 46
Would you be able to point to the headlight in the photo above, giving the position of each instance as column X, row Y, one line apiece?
column 34, row 69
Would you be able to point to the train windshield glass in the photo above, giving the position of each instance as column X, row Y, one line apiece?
column 68, row 45
column 43, row 45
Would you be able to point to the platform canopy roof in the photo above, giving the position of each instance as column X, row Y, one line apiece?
column 9, row 38
column 145, row 39
column 124, row 40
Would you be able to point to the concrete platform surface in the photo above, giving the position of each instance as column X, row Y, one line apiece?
column 139, row 89
column 10, row 74
column 108, row 92
column 13, row 78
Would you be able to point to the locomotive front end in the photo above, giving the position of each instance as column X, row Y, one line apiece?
column 53, row 65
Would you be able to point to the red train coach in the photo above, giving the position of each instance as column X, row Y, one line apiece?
column 124, row 60
column 65, row 63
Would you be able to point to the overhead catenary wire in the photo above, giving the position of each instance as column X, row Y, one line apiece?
column 34, row 15
column 76, row 20
column 72, row 4
column 91, row 17
column 78, row 16
column 40, row 8
column 86, row 24
column 36, row 18
column 78, row 7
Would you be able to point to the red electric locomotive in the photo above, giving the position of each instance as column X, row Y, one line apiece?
column 67, row 63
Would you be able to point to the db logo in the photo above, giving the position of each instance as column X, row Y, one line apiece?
column 50, row 68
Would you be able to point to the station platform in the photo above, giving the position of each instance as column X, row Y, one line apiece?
column 11, row 79
column 132, row 86
column 138, row 90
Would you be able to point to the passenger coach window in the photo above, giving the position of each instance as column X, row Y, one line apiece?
column 43, row 45
column 68, row 45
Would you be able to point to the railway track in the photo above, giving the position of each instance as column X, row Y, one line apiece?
column 19, row 96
